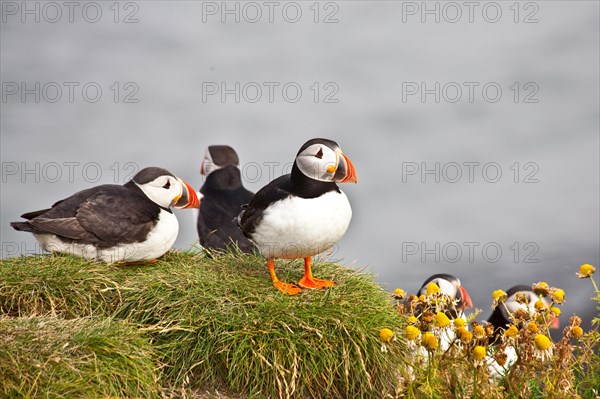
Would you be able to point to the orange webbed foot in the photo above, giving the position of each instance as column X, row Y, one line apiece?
column 315, row 283
column 288, row 289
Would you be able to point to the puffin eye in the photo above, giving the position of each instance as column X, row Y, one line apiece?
column 167, row 185
column 319, row 154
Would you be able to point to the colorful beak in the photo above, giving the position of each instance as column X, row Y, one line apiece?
column 468, row 304
column 188, row 198
column 555, row 324
column 345, row 172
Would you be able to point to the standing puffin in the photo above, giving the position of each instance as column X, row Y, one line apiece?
column 112, row 223
column 303, row 213
column 451, row 286
column 222, row 198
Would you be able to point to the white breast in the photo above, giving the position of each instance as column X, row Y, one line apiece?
column 497, row 371
column 195, row 212
column 300, row 227
column 158, row 241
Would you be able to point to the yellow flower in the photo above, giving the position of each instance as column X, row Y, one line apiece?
column 386, row 335
column 558, row 295
column 412, row 320
column 459, row 322
column 511, row 331
column 542, row 288
column 479, row 352
column 479, row 332
column 577, row 331
column 499, row 295
column 412, row 333
column 555, row 311
column 429, row 341
column 586, row 271
column 464, row 335
column 441, row 320
column 399, row 293
column 422, row 298
column 432, row 288
column 543, row 347
column 539, row 305
column 532, row 327
column 542, row 342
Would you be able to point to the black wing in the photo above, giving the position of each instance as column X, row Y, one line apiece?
column 103, row 216
column 63, row 209
column 276, row 190
column 217, row 227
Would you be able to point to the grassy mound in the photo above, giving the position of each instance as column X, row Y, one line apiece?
column 79, row 358
column 219, row 320
column 58, row 285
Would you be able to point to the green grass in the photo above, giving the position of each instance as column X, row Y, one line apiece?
column 46, row 357
column 217, row 321
column 588, row 378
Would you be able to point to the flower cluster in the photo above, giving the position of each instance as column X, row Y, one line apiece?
column 449, row 352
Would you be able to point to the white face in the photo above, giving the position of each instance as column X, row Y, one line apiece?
column 164, row 190
column 512, row 305
column 318, row 162
column 446, row 287
column 208, row 166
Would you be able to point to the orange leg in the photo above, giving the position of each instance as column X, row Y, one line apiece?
column 308, row 281
column 288, row 289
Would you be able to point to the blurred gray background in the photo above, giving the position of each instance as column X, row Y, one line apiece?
column 93, row 92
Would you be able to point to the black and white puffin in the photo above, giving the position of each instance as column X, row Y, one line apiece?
column 451, row 286
column 222, row 198
column 113, row 223
column 501, row 321
column 303, row 213
column 500, row 318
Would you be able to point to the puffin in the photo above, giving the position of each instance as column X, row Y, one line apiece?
column 451, row 286
column 501, row 320
column 113, row 223
column 303, row 213
column 223, row 195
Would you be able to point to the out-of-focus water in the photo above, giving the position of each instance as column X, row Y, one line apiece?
column 355, row 75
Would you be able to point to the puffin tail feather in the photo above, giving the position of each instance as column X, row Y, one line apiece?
column 23, row 226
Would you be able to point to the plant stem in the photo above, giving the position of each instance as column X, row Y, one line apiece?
column 475, row 382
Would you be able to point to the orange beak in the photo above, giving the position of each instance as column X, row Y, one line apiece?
column 554, row 324
column 345, row 172
column 188, row 198
column 466, row 298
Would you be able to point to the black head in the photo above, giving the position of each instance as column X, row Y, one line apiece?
column 149, row 174
column 500, row 318
column 322, row 160
column 218, row 156
column 164, row 188
column 326, row 142
column 451, row 286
